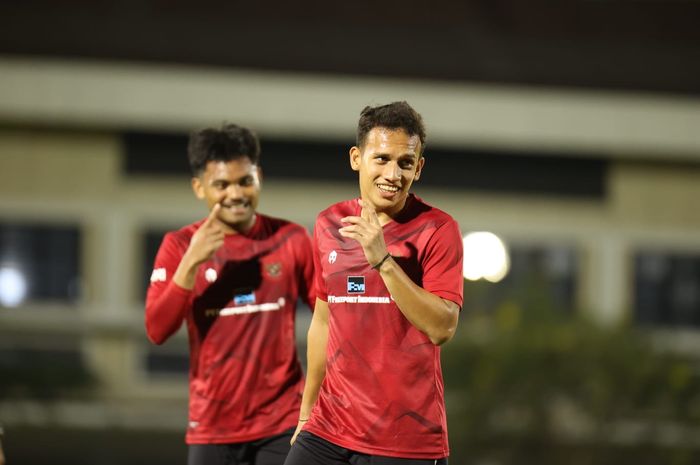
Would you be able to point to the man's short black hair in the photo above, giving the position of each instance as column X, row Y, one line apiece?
column 225, row 144
column 395, row 115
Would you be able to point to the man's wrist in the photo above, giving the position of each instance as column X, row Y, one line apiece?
column 379, row 264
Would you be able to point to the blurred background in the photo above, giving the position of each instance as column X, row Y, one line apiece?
column 566, row 135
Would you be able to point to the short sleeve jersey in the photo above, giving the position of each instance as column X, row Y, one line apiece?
column 245, row 377
column 383, row 390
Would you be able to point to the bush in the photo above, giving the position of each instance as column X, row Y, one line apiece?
column 538, row 387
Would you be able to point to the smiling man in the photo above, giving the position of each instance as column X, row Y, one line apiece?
column 389, row 283
column 234, row 278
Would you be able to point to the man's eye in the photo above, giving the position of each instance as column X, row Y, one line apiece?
column 247, row 181
column 406, row 165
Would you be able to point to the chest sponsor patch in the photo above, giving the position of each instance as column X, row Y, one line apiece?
column 356, row 284
column 244, row 299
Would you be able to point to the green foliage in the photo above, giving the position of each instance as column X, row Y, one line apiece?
column 541, row 387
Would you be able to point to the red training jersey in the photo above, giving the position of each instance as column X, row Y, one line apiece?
column 383, row 391
column 245, row 378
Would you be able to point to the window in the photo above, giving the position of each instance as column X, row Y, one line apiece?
column 667, row 289
column 573, row 175
column 540, row 278
column 39, row 262
column 165, row 360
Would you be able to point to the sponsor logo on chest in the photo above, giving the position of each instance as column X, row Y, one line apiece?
column 244, row 299
column 356, row 285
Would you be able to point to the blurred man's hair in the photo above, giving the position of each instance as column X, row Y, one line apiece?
column 228, row 143
column 395, row 115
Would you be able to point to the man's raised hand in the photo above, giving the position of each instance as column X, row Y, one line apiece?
column 367, row 230
column 207, row 239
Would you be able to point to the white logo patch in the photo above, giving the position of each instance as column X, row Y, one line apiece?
column 332, row 256
column 158, row 274
column 210, row 275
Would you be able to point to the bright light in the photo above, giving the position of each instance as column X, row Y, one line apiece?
column 485, row 257
column 13, row 287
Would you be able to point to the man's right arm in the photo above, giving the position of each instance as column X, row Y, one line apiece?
column 168, row 300
column 316, row 343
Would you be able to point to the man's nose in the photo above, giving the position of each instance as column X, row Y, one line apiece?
column 234, row 191
column 392, row 171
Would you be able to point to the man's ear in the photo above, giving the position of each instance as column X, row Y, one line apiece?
column 419, row 168
column 198, row 188
column 355, row 158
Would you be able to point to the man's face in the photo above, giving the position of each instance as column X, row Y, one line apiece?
column 235, row 185
column 388, row 164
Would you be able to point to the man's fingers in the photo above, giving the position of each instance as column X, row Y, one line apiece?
column 369, row 213
column 373, row 218
column 351, row 235
column 351, row 219
column 351, row 228
column 213, row 214
column 364, row 213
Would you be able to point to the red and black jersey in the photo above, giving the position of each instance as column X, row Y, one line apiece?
column 245, row 378
column 383, row 391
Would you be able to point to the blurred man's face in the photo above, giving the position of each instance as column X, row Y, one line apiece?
column 388, row 163
column 235, row 185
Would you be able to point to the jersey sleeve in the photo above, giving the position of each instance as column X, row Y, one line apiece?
column 442, row 263
column 306, row 269
column 319, row 282
column 166, row 302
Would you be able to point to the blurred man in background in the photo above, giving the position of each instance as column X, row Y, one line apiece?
column 234, row 277
column 389, row 283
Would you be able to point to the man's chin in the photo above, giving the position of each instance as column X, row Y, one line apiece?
column 383, row 204
column 238, row 221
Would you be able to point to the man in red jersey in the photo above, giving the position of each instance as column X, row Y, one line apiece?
column 389, row 284
column 234, row 278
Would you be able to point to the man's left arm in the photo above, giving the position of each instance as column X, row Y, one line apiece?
column 433, row 315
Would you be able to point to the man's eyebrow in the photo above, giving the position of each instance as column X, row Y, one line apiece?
column 404, row 155
column 231, row 181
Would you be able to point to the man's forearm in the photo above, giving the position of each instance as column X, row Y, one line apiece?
column 432, row 315
column 186, row 273
column 165, row 311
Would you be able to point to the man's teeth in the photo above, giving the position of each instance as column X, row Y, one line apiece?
column 387, row 188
